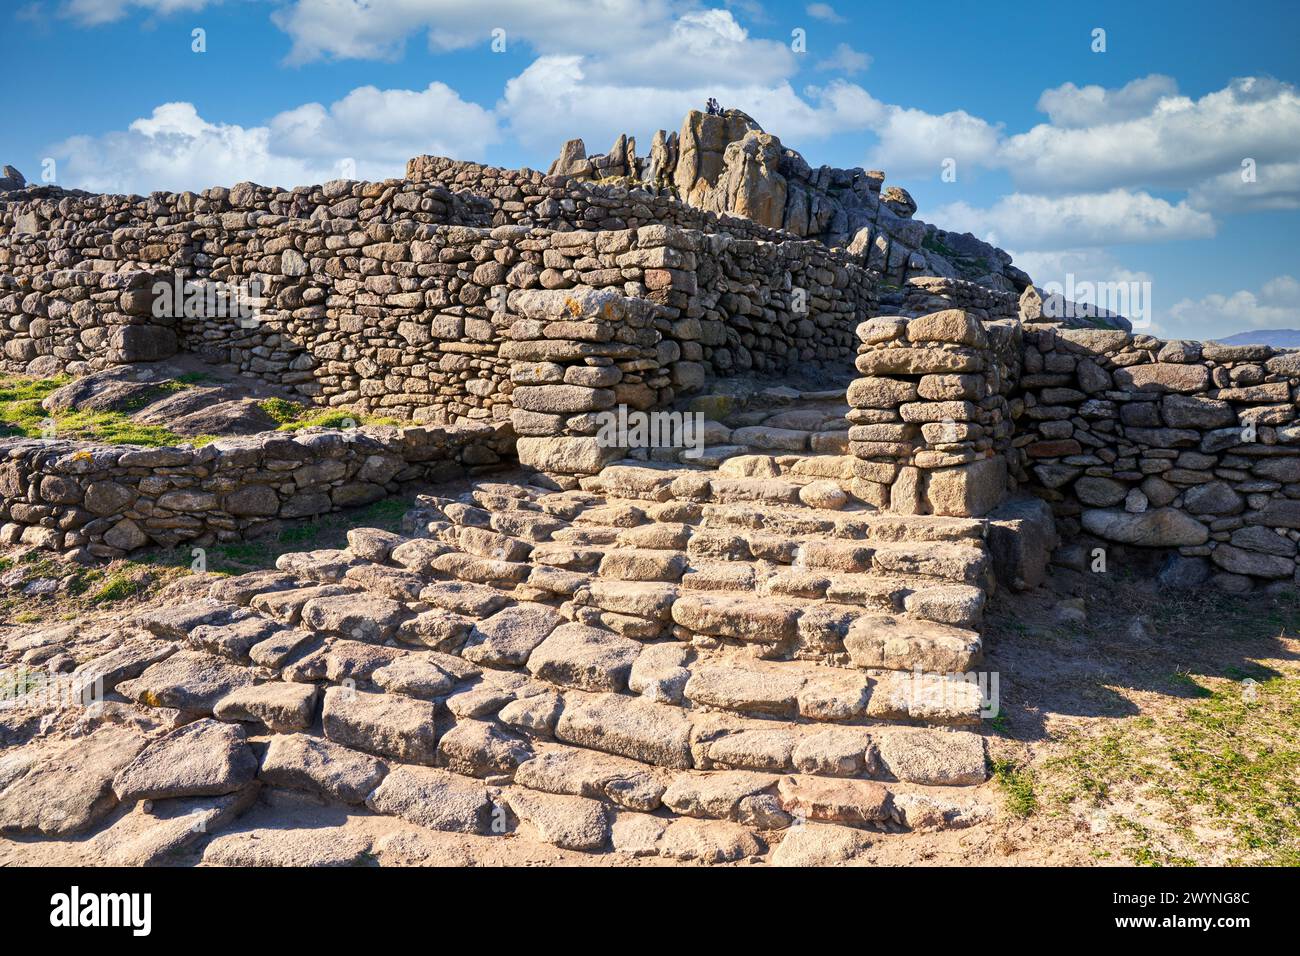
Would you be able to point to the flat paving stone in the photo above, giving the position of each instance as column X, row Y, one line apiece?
column 315, row 764
column 507, row 638
column 66, row 788
column 188, row 681
column 388, row 725
column 437, row 799
column 587, row 658
column 203, row 759
column 280, row 706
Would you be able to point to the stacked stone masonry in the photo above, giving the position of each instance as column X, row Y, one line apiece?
column 105, row 501
column 400, row 316
column 1167, row 444
column 930, row 418
column 511, row 298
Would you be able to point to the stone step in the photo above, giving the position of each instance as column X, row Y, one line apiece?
column 889, row 642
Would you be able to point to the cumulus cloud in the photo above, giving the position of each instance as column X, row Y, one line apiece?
column 387, row 125
column 1273, row 186
column 1178, row 143
column 704, row 46
column 1091, row 264
column 369, row 134
column 554, row 99
column 1275, row 305
column 845, row 59
column 174, row 148
column 92, row 13
column 1085, row 219
column 1074, row 107
column 377, row 29
column 916, row 143
column 823, row 11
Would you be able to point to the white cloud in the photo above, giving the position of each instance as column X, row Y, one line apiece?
column 823, row 11
column 845, row 59
column 175, row 148
column 377, row 29
column 1074, row 107
column 1276, row 305
column 1178, row 144
column 386, row 125
column 90, row 13
column 705, row 46
column 1086, row 219
column 915, row 143
column 553, row 100
column 1091, row 264
column 1275, row 186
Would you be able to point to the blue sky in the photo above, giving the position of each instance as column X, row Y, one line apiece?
column 1115, row 165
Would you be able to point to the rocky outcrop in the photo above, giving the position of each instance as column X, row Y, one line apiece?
column 11, row 179
column 1041, row 308
column 727, row 163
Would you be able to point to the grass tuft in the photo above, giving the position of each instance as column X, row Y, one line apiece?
column 1017, row 786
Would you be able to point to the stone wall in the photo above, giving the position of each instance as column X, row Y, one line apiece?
column 1167, row 444
column 922, row 295
column 105, row 501
column 401, row 317
column 931, row 423
column 78, row 319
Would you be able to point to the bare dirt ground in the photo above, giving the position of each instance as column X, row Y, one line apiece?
column 1163, row 730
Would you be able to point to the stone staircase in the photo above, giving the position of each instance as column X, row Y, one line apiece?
column 742, row 418
column 664, row 661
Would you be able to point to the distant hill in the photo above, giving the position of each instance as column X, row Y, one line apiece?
column 1278, row 338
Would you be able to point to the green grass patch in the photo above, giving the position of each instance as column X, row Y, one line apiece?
column 1228, row 760
column 21, row 415
column 117, row 587
column 18, row 389
column 291, row 416
column 281, row 409
column 1017, row 786
column 83, row 588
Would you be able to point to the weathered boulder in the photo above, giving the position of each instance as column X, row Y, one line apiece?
column 1156, row 528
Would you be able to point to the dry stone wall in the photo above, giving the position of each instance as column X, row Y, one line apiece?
column 401, row 317
column 105, row 501
column 1173, row 444
column 930, row 418
column 532, row 302
column 79, row 319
